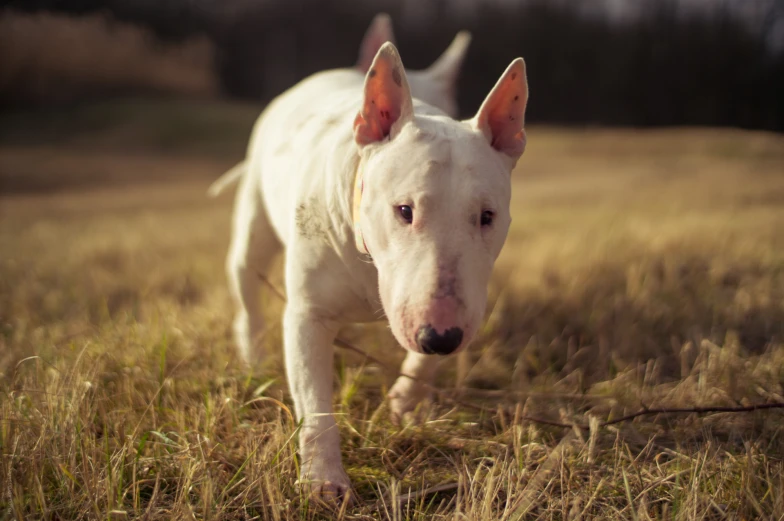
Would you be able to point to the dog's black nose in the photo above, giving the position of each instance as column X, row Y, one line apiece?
column 432, row 343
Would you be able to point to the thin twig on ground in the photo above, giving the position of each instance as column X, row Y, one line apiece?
column 338, row 342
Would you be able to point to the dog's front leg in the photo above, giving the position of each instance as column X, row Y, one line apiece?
column 308, row 344
column 407, row 392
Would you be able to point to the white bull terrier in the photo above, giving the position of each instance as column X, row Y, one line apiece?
column 435, row 85
column 386, row 206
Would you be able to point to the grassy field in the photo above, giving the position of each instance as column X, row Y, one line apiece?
column 643, row 269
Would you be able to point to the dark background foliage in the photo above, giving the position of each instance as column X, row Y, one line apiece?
column 665, row 66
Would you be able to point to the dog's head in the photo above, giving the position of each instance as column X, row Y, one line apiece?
column 435, row 85
column 434, row 205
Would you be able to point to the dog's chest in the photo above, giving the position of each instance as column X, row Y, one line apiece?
column 341, row 279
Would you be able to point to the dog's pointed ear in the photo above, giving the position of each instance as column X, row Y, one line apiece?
column 447, row 67
column 387, row 99
column 379, row 32
column 501, row 118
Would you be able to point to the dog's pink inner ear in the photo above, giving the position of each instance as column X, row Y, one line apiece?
column 502, row 115
column 387, row 98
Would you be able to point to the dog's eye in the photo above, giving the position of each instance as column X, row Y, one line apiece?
column 487, row 218
column 406, row 213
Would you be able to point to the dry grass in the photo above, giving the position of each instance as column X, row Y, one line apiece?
column 643, row 268
column 58, row 58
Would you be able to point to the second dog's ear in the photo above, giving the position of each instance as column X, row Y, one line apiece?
column 447, row 67
column 501, row 118
column 379, row 32
column 386, row 103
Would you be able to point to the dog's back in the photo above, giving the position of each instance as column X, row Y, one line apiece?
column 295, row 138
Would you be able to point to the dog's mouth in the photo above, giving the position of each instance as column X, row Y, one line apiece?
column 432, row 342
column 431, row 332
column 428, row 340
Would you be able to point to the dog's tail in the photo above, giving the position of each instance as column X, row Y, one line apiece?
column 229, row 178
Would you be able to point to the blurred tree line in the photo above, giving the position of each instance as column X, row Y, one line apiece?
column 662, row 67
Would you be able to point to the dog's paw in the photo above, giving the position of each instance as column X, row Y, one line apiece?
column 400, row 411
column 331, row 487
column 331, row 492
column 404, row 397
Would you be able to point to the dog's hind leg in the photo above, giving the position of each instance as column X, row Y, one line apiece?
column 253, row 246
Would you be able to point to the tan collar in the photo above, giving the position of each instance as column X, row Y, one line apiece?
column 359, row 185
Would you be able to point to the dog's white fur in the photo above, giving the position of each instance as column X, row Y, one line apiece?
column 297, row 191
column 435, row 85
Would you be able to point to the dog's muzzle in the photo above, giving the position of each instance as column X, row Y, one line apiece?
column 431, row 343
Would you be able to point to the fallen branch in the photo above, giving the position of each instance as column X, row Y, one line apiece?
column 412, row 496
column 697, row 410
